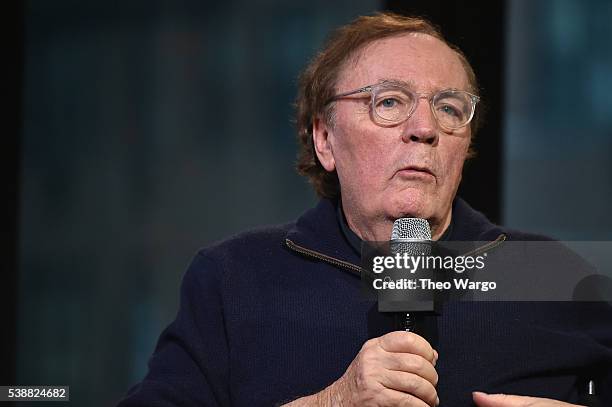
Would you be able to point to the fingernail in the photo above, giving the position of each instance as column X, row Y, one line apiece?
column 437, row 401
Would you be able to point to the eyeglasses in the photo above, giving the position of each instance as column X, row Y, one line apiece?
column 392, row 104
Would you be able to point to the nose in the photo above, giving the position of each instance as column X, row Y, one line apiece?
column 421, row 126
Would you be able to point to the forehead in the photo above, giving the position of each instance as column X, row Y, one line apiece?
column 415, row 58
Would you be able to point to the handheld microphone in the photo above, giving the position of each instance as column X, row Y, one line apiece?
column 410, row 236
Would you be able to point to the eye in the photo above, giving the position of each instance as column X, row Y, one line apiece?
column 449, row 110
column 389, row 103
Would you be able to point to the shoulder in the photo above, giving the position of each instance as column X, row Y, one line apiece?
column 253, row 241
column 243, row 254
column 470, row 224
column 234, row 263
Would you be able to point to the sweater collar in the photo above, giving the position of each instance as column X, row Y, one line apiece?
column 319, row 230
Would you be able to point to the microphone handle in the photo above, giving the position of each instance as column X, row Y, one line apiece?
column 404, row 321
column 409, row 322
column 424, row 324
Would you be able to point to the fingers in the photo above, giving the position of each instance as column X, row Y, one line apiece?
column 412, row 364
column 408, row 361
column 397, row 398
column 412, row 384
column 395, row 369
column 505, row 400
column 407, row 342
column 493, row 400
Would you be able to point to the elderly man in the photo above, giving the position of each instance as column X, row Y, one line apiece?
column 386, row 115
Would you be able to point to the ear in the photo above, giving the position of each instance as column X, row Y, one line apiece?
column 321, row 139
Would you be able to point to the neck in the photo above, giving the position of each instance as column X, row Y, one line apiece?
column 438, row 229
column 380, row 230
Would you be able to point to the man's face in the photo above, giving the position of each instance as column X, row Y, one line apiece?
column 409, row 170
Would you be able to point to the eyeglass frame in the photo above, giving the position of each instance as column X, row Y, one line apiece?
column 474, row 99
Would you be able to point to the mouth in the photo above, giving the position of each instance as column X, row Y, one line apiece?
column 416, row 171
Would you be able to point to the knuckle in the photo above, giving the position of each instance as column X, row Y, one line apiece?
column 410, row 339
column 416, row 364
column 361, row 381
column 395, row 336
column 423, row 390
column 369, row 352
column 368, row 359
column 407, row 401
column 365, row 384
column 384, row 341
column 372, row 345
column 415, row 386
column 369, row 343
column 364, row 377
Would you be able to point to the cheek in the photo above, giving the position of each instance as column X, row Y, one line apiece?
column 363, row 163
column 452, row 163
column 361, row 154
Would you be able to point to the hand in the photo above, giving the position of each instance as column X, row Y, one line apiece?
column 504, row 400
column 396, row 369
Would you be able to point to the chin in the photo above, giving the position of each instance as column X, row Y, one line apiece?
column 413, row 205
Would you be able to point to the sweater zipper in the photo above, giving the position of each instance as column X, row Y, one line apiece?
column 488, row 246
column 357, row 270
column 320, row 256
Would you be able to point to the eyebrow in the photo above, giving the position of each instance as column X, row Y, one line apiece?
column 407, row 84
column 398, row 82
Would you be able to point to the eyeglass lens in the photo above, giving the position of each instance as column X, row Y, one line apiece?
column 452, row 109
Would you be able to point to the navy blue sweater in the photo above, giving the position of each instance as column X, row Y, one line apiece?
column 277, row 313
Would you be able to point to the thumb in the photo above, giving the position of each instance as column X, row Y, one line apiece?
column 505, row 400
column 498, row 400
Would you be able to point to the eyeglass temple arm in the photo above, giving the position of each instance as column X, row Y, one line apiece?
column 349, row 93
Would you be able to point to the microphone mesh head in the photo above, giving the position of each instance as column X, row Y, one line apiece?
column 411, row 236
column 411, row 229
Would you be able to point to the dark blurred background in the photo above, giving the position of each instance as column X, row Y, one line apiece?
column 139, row 131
